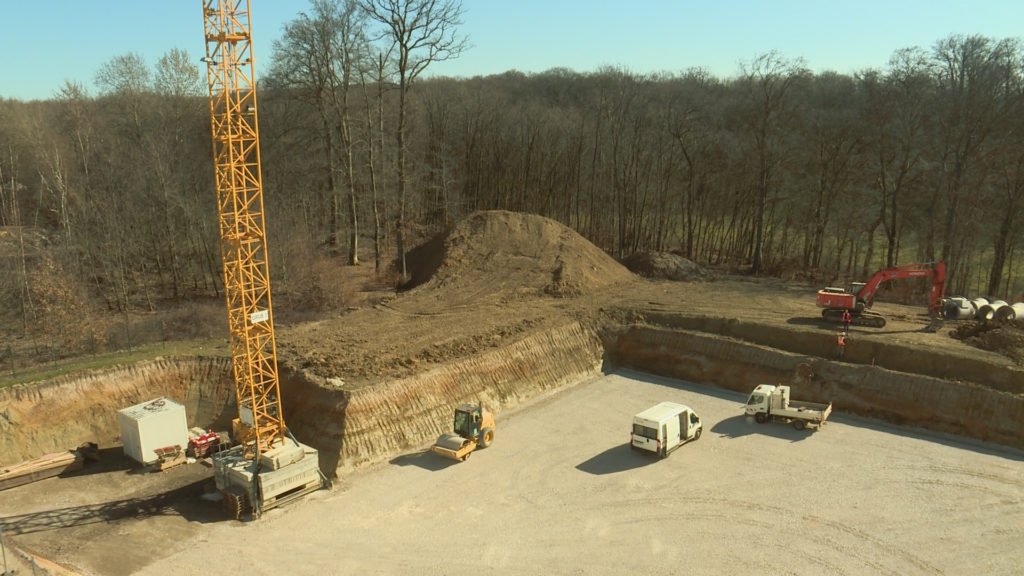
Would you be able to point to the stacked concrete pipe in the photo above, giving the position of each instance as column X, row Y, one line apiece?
column 977, row 303
column 958, row 308
column 988, row 311
column 1011, row 312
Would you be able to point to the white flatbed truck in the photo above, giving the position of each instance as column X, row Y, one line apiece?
column 664, row 427
column 769, row 403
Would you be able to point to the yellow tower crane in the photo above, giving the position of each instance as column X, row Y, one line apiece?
column 268, row 468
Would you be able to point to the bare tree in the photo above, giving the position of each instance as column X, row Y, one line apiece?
column 343, row 33
column 768, row 79
column 690, row 126
column 976, row 92
column 78, row 117
column 320, row 55
column 1007, row 194
column 896, row 121
column 177, row 84
column 300, row 62
column 831, row 141
column 376, row 181
column 126, row 76
column 422, row 32
column 177, row 75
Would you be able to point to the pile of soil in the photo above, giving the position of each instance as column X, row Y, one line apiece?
column 495, row 277
column 492, row 251
column 664, row 265
column 1004, row 337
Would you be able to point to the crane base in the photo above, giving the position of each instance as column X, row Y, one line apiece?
column 247, row 489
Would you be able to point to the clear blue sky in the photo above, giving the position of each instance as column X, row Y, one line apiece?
column 45, row 42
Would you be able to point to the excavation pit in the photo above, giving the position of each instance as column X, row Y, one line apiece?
column 519, row 314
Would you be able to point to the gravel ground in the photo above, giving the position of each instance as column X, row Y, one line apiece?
column 560, row 492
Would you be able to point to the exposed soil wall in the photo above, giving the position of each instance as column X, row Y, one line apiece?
column 370, row 424
column 861, row 349
column 62, row 413
column 964, row 408
column 352, row 428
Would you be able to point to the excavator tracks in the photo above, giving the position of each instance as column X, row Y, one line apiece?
column 865, row 319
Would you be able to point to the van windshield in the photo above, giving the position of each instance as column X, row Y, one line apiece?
column 645, row 431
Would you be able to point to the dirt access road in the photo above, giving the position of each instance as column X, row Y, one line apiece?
column 560, row 492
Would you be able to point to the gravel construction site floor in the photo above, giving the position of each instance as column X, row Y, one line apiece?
column 560, row 492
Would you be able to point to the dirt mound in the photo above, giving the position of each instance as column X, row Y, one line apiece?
column 1004, row 337
column 663, row 265
column 498, row 251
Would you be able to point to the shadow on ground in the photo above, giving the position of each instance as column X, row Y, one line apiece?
column 704, row 389
column 816, row 322
column 742, row 425
column 106, row 460
column 946, row 439
column 425, row 459
column 859, row 330
column 184, row 501
column 616, row 459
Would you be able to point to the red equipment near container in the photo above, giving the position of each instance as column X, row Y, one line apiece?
column 201, row 444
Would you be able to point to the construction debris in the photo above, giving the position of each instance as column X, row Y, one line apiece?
column 46, row 466
column 202, row 442
column 169, row 457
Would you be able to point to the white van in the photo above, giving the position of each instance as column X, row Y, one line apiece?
column 664, row 427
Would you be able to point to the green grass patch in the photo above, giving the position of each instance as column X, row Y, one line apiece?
column 212, row 347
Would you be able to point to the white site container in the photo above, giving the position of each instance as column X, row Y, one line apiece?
column 151, row 425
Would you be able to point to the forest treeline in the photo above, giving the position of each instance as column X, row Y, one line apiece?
column 107, row 205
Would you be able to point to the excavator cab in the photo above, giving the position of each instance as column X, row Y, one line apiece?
column 855, row 288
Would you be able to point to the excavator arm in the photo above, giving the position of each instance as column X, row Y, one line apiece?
column 935, row 270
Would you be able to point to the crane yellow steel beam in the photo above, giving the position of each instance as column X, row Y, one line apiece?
column 236, row 157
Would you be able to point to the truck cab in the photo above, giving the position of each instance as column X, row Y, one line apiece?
column 759, row 400
column 664, row 427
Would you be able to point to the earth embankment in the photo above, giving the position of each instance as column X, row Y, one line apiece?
column 972, row 365
column 506, row 306
column 370, row 423
column 62, row 413
column 957, row 407
column 374, row 423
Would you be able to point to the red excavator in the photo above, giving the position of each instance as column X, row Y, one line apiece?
column 858, row 300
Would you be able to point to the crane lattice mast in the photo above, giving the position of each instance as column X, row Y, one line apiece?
column 236, row 156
